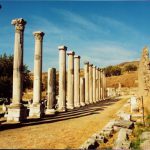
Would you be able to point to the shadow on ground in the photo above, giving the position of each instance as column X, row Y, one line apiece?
column 70, row 114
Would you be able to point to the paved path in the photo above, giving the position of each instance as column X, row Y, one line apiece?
column 65, row 130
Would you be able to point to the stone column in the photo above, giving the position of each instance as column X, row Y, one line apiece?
column 51, row 91
column 16, row 111
column 94, row 84
column 77, row 81
column 82, row 91
column 90, row 84
column 70, row 81
column 99, row 79
column 36, row 109
column 62, row 79
column 101, row 84
column 86, row 76
column 97, row 84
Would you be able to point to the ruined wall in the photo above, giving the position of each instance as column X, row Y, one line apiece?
column 144, row 74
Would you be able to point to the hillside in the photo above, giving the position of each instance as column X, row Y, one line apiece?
column 126, row 80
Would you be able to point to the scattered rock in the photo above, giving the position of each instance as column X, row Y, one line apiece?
column 124, row 124
column 122, row 140
column 91, row 143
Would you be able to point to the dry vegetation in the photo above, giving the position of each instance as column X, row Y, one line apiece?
column 126, row 80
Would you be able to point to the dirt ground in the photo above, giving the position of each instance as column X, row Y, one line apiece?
column 65, row 130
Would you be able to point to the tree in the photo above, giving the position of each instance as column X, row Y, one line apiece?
column 112, row 71
column 130, row 67
column 6, row 76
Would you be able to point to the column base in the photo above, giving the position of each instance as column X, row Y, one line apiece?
column 87, row 103
column 70, row 107
column 36, row 111
column 61, row 109
column 77, row 105
column 82, row 104
column 16, row 113
column 50, row 111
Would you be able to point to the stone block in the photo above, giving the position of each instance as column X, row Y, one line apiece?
column 36, row 111
column 16, row 114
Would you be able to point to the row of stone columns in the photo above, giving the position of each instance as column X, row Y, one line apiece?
column 78, row 92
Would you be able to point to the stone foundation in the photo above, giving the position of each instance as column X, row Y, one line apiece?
column 36, row 111
column 50, row 111
column 16, row 113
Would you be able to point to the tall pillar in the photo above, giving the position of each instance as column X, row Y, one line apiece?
column 97, row 84
column 16, row 111
column 82, row 91
column 90, row 84
column 36, row 109
column 62, row 78
column 105, row 88
column 94, row 84
column 101, row 84
column 86, row 76
column 99, row 79
column 70, row 81
column 77, row 81
column 51, row 91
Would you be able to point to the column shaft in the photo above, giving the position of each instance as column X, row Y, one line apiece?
column 90, row 84
column 97, row 84
column 94, row 83
column 77, row 81
column 62, row 78
column 86, row 76
column 70, row 81
column 82, row 91
column 51, row 91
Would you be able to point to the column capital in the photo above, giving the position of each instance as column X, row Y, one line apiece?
column 70, row 53
column 86, row 62
column 90, row 65
column 19, row 24
column 94, row 66
column 77, row 56
column 38, row 35
column 62, row 47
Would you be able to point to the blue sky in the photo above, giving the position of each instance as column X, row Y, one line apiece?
column 103, row 32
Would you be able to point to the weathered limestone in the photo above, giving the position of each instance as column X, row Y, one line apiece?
column 86, row 76
column 103, row 85
column 134, row 104
column 122, row 141
column 97, row 84
column 51, row 91
column 77, row 81
column 82, row 91
column 144, row 73
column 90, row 84
column 36, row 109
column 70, row 81
column 94, row 84
column 16, row 111
column 62, row 78
column 100, row 85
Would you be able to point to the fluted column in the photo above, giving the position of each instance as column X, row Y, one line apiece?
column 90, row 84
column 86, row 76
column 51, row 91
column 94, row 84
column 62, row 78
column 97, row 84
column 77, row 81
column 82, row 91
column 35, row 109
column 99, row 79
column 70, row 80
column 101, row 84
column 16, row 111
